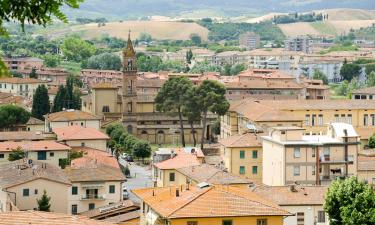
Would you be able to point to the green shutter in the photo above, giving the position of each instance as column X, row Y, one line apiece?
column 255, row 154
column 242, row 170
column 74, row 190
column 242, row 154
column 255, row 170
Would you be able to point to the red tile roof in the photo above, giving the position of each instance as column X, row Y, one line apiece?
column 70, row 115
column 182, row 159
column 79, row 133
column 242, row 141
column 94, row 155
column 33, row 146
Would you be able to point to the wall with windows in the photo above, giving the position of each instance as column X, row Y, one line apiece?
column 83, row 123
column 50, row 157
column 95, row 144
column 307, row 214
column 246, row 220
column 167, row 178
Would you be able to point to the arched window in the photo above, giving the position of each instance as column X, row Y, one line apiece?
column 144, row 132
column 130, row 129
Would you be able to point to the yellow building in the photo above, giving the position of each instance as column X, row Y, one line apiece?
column 207, row 205
column 242, row 155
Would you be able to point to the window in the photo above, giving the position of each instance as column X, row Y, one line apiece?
column 320, row 120
column 297, row 152
column 337, row 118
column 321, row 217
column 74, row 209
column 349, row 119
column 172, row 177
column 1, row 156
column 91, row 206
column 296, row 170
column 313, row 170
column 242, row 154
column 25, row 192
column 313, row 120
column 372, row 119
column 192, row 223
column 112, row 189
column 255, row 154
column 51, row 154
column 365, row 120
column 227, row 222
column 300, row 218
column 255, row 169
column 158, row 122
column 313, row 149
column 42, row 155
column 307, row 120
column 261, row 221
column 81, row 124
column 35, row 191
column 105, row 109
column 242, row 170
column 82, row 144
column 74, row 190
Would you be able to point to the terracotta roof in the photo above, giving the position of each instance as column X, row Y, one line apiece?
column 283, row 196
column 45, row 218
column 263, row 84
column 47, row 145
column 7, row 98
column 324, row 104
column 180, row 160
column 104, row 86
column 113, row 208
column 124, row 217
column 211, row 174
column 17, row 80
column 79, row 133
column 70, row 115
column 11, row 176
column 24, row 135
column 94, row 172
column 242, row 140
column 367, row 90
column 91, row 155
column 366, row 163
column 34, row 121
column 218, row 201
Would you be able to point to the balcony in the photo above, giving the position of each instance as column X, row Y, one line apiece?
column 326, row 159
column 93, row 197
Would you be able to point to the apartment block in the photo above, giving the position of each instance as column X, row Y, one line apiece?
column 249, row 40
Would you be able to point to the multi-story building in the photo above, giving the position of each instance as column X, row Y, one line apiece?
column 91, row 77
column 205, row 204
column 23, row 63
column 249, row 40
column 291, row 157
column 299, row 44
column 55, row 76
column 366, row 166
column 329, row 67
column 20, row 86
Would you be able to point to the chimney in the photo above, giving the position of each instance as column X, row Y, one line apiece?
column 177, row 192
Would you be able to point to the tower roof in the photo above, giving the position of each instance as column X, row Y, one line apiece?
column 129, row 51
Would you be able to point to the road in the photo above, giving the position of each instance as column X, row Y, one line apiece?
column 140, row 178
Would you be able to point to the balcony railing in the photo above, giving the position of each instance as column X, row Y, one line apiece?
column 93, row 197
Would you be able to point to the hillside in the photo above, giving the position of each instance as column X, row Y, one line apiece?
column 349, row 14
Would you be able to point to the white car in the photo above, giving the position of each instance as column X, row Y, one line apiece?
column 125, row 193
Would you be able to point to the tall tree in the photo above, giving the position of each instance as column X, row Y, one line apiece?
column 370, row 79
column 192, row 111
column 44, row 202
column 172, row 97
column 58, row 102
column 189, row 56
column 318, row 75
column 104, row 61
column 33, row 74
column 211, row 98
column 76, row 49
column 142, row 149
column 41, row 105
column 16, row 154
column 349, row 71
column 350, row 202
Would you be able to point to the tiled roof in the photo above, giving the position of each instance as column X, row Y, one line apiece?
column 8, row 146
column 124, row 217
column 217, row 201
column 242, row 140
column 112, row 209
column 367, row 90
column 94, row 155
column 211, row 174
column 70, row 115
column 180, row 160
column 283, row 196
column 34, row 121
column 366, row 163
column 263, row 84
column 94, row 172
column 24, row 135
column 79, row 133
column 46, row 218
column 11, row 176
column 17, row 80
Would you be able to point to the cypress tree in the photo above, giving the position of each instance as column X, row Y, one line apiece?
column 41, row 105
column 58, row 102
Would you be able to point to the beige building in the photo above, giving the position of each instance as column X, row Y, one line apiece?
column 71, row 117
column 249, row 40
column 35, row 124
column 77, row 136
column 366, row 166
column 290, row 157
column 242, row 155
column 46, row 151
column 20, row 86
column 364, row 93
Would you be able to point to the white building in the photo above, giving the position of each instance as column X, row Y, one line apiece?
column 20, row 86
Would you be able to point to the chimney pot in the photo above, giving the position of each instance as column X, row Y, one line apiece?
column 177, row 192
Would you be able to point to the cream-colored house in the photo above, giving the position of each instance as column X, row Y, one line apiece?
column 35, row 124
column 366, row 166
column 71, row 117
column 20, row 86
column 289, row 156
column 47, row 151
column 242, row 155
column 25, row 180
column 77, row 136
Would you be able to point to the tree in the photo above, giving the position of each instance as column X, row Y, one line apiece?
column 16, row 154
column 43, row 202
column 76, row 49
column 142, row 149
column 371, row 141
column 58, row 101
column 237, row 68
column 370, row 68
column 33, row 74
column 172, row 97
column 196, row 39
column 41, row 104
column 145, row 37
column 350, row 202
column 371, row 79
column 226, row 70
column 349, row 71
column 189, row 56
column 11, row 115
column 211, row 98
column 51, row 60
column 104, row 61
column 191, row 111
column 318, row 75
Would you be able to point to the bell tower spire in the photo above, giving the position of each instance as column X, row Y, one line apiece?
column 128, row 55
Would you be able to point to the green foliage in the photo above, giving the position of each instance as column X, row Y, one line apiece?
column 201, row 67
column 155, row 64
column 371, row 141
column 16, row 154
column 14, row 73
column 189, row 56
column 350, row 202
column 11, row 115
column 51, row 60
column 141, row 149
column 125, row 170
column 318, row 75
column 43, row 202
column 295, row 17
column 196, row 39
column 88, row 20
column 370, row 68
column 68, row 96
column 145, row 37
column 340, row 48
column 41, row 104
column 222, row 48
column 370, row 79
column 104, row 61
column 33, row 74
column 346, row 88
column 349, row 71
column 76, row 49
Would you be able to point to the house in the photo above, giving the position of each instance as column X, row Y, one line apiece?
column 46, row 218
column 25, row 180
column 25, row 136
column 47, row 151
column 35, row 124
column 364, row 93
column 23, row 63
column 77, row 136
column 290, row 157
column 242, row 155
column 205, row 204
column 304, row 202
column 366, row 166
column 71, row 117
column 25, row 87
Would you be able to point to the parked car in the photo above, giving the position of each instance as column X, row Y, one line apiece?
column 125, row 193
column 129, row 158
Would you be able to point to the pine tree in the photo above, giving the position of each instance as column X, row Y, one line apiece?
column 41, row 105
column 43, row 202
